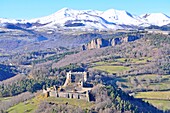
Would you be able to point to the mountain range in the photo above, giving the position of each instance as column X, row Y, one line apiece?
column 91, row 19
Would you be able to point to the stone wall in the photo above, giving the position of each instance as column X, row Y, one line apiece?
column 70, row 95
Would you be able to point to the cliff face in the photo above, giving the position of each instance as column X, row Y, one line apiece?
column 99, row 42
column 115, row 41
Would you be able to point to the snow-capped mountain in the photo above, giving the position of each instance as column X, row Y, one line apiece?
column 121, row 17
column 76, row 18
column 2, row 20
column 158, row 19
column 93, row 19
column 112, row 19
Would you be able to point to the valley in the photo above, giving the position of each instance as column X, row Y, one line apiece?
column 127, row 61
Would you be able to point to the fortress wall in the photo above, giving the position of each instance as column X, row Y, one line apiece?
column 70, row 95
column 53, row 94
column 62, row 94
column 78, row 72
column 86, row 89
column 83, row 97
column 44, row 91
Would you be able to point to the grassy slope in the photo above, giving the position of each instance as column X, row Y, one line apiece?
column 161, row 104
column 134, row 60
column 28, row 106
column 112, row 69
column 154, row 95
column 5, row 98
column 164, row 83
column 111, row 66
column 75, row 102
column 31, row 105
column 159, row 99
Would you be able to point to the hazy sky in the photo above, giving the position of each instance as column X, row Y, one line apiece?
column 27, row 9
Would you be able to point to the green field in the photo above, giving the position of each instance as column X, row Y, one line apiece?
column 3, row 55
column 123, row 60
column 115, row 66
column 162, row 82
column 134, row 60
column 154, row 95
column 111, row 69
column 31, row 105
column 106, row 63
column 160, row 104
column 4, row 98
column 160, row 99
column 23, row 107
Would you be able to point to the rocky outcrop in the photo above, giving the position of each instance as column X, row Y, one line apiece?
column 115, row 41
column 97, row 43
column 131, row 38
column 100, row 42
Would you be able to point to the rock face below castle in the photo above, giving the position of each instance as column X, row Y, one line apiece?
column 99, row 42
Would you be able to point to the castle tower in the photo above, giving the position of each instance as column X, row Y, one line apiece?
column 82, row 84
column 88, row 95
column 55, row 89
column 68, row 78
column 69, row 75
column 85, row 76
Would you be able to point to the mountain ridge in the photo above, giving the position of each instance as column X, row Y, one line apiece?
column 94, row 19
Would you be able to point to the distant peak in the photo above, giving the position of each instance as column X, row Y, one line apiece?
column 103, row 19
column 111, row 9
column 157, row 14
column 64, row 9
column 145, row 15
column 161, row 14
column 117, row 11
column 154, row 14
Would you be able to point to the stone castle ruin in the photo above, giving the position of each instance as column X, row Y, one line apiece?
column 76, row 86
